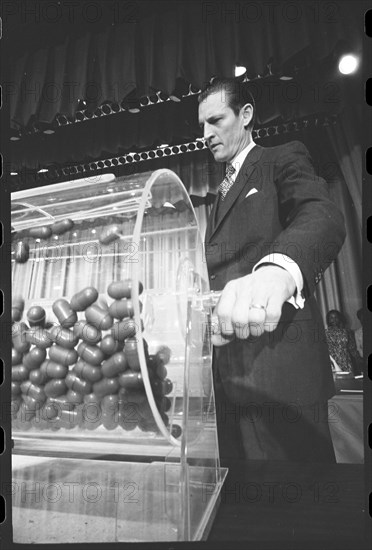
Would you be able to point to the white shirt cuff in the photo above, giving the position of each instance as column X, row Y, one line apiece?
column 297, row 300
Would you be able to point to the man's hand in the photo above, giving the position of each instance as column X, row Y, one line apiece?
column 252, row 304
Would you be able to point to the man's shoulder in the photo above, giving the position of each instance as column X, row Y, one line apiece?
column 291, row 147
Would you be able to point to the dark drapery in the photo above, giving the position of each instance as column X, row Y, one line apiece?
column 104, row 55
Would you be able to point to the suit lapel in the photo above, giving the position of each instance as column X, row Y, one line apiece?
column 241, row 183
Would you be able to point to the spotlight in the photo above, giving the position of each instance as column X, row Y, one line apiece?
column 240, row 70
column 348, row 64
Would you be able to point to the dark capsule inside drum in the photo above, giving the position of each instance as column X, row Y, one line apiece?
column 89, row 333
column 121, row 308
column 77, row 384
column 16, row 357
column 130, row 379
column 18, row 305
column 60, row 227
column 64, row 313
column 40, row 337
column 53, row 369
column 109, row 234
column 32, row 404
column 50, row 411
column 122, row 289
column 22, row 252
column 34, row 358
column 116, row 364
column 19, row 373
column 83, row 299
column 19, row 331
column 131, row 354
column 55, row 388
column 36, row 316
column 87, row 372
column 123, row 329
column 38, row 377
column 15, row 388
column 28, row 388
column 106, row 386
column 109, row 345
column 63, row 337
column 43, row 232
column 63, row 356
column 98, row 317
column 91, row 354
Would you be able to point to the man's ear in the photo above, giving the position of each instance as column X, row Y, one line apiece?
column 247, row 111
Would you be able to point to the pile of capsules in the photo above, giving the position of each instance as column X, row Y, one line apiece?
column 85, row 373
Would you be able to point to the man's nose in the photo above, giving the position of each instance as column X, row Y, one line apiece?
column 208, row 132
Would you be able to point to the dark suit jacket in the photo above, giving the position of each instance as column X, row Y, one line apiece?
column 291, row 213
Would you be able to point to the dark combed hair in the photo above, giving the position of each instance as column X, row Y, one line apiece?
column 340, row 316
column 237, row 93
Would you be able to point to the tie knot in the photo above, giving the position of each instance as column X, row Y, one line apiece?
column 230, row 170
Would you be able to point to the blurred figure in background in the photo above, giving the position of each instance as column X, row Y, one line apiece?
column 341, row 343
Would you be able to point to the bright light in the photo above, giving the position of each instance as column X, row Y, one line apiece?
column 239, row 70
column 42, row 170
column 348, row 64
column 14, row 173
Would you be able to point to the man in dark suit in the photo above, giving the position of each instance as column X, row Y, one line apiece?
column 272, row 232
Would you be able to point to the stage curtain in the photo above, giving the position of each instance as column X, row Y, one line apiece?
column 160, row 43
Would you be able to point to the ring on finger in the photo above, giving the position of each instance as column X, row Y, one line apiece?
column 257, row 306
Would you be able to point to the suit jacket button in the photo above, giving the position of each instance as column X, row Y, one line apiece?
column 212, row 277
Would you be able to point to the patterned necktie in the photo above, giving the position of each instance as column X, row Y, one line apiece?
column 227, row 181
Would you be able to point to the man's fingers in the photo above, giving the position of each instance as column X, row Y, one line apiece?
column 217, row 338
column 225, row 308
column 273, row 313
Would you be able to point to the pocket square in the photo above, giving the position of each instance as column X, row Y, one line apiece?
column 251, row 192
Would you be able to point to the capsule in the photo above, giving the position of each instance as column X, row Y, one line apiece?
column 91, row 354
column 106, row 386
column 19, row 331
column 36, row 316
column 34, row 358
column 77, row 384
column 18, row 305
column 40, row 337
column 15, row 405
column 70, row 419
column 30, row 389
column 60, row 227
column 110, row 234
column 98, row 317
column 63, row 356
column 161, row 371
column 124, row 329
column 22, row 252
column 110, row 403
column 164, row 404
column 122, row 289
column 63, row 337
column 109, row 345
column 130, row 379
column 89, row 333
column 122, row 308
column 163, row 355
column 53, row 370
column 16, row 357
column 50, row 411
column 65, row 314
column 19, row 373
column 42, row 232
column 15, row 388
column 110, row 421
column 131, row 354
column 83, row 299
column 31, row 403
column 87, row 372
column 132, row 395
column 116, row 364
column 55, row 388
column 176, row 431
column 38, row 377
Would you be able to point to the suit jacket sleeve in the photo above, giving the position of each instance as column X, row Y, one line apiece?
column 313, row 227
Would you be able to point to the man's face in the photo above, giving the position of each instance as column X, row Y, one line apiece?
column 224, row 132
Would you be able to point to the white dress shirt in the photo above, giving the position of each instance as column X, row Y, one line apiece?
column 276, row 258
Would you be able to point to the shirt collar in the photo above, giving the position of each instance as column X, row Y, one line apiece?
column 240, row 158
